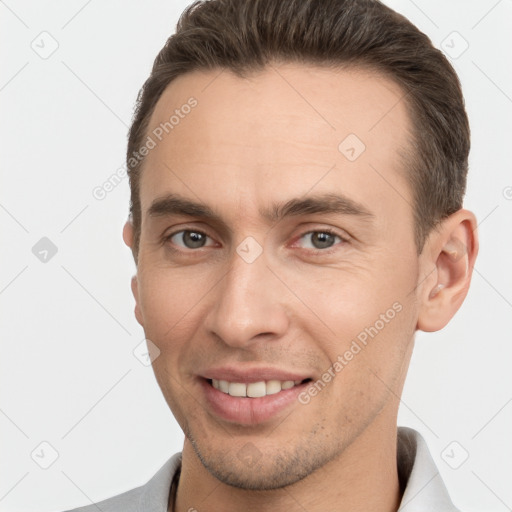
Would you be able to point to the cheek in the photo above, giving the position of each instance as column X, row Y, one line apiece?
column 369, row 368
column 345, row 302
column 367, row 317
column 171, row 306
column 167, row 294
column 168, row 301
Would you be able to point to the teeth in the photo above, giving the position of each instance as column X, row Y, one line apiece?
column 272, row 387
column 256, row 389
column 253, row 389
column 237, row 389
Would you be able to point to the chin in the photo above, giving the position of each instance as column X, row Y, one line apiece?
column 267, row 469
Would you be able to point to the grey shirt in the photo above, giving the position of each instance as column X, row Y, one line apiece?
column 424, row 490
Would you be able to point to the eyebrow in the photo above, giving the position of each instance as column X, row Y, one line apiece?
column 174, row 204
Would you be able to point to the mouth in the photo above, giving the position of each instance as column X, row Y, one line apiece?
column 251, row 403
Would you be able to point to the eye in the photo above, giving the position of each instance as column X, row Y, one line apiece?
column 320, row 239
column 189, row 239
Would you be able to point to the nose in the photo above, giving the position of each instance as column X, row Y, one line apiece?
column 248, row 304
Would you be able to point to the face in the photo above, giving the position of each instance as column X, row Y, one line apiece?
column 277, row 258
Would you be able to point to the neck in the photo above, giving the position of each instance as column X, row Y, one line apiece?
column 364, row 477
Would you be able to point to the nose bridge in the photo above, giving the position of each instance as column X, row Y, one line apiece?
column 247, row 303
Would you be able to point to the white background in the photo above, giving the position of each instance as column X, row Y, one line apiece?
column 68, row 373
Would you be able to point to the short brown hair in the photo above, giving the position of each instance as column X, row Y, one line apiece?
column 246, row 35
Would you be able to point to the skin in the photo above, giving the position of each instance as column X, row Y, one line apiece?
column 248, row 143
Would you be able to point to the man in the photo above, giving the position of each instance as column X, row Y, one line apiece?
column 297, row 171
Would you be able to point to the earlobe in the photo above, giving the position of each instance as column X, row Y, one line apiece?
column 453, row 249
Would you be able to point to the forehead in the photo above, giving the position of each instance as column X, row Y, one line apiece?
column 277, row 133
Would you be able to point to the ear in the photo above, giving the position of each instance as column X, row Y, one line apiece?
column 135, row 291
column 128, row 233
column 128, row 240
column 447, row 262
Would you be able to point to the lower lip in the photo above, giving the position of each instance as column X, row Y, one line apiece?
column 249, row 411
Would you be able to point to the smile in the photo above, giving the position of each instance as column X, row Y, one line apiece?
column 251, row 403
column 253, row 389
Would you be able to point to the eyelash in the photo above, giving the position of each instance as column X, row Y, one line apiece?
column 326, row 251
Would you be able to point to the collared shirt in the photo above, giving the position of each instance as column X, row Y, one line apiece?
column 424, row 490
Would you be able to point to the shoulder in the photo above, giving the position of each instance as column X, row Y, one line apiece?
column 151, row 496
column 127, row 501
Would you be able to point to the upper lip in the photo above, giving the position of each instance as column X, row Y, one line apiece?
column 251, row 374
